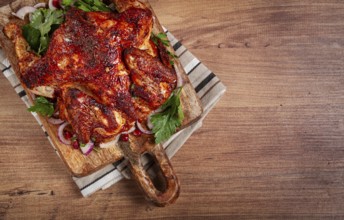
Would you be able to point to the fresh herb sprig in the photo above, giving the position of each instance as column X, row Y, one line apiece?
column 172, row 56
column 162, row 37
column 42, row 106
column 87, row 5
column 166, row 122
column 44, row 21
column 37, row 32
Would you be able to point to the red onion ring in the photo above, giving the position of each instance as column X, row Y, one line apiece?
column 142, row 129
column 60, row 134
column 40, row 5
column 55, row 121
column 51, row 5
column 86, row 150
column 149, row 123
column 130, row 130
column 57, row 113
column 110, row 143
column 54, row 4
column 24, row 11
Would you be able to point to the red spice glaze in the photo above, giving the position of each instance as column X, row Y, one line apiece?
column 92, row 79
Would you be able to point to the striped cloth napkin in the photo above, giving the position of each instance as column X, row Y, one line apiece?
column 208, row 87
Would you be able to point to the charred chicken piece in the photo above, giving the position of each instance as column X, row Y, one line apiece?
column 152, row 81
column 99, row 122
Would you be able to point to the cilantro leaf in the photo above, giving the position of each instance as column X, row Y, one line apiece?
column 42, row 106
column 166, row 122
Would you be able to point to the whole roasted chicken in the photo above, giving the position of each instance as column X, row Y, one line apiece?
column 101, row 68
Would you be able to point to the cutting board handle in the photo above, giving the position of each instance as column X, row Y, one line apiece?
column 140, row 175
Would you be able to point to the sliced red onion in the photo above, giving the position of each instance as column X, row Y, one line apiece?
column 51, row 5
column 130, row 130
column 110, row 143
column 142, row 129
column 54, row 4
column 60, row 134
column 57, row 113
column 149, row 123
column 24, row 11
column 40, row 5
column 86, row 150
column 55, row 121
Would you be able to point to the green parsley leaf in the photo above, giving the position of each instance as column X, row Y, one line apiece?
column 164, row 39
column 44, row 42
column 32, row 36
column 82, row 6
column 160, row 37
column 172, row 57
column 87, row 5
column 37, row 18
column 171, row 54
column 42, row 106
column 43, row 22
column 67, row 2
column 166, row 122
column 100, row 5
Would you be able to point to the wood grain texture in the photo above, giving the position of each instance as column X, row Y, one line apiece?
column 272, row 148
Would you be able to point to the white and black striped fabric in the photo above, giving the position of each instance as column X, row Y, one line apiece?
column 208, row 87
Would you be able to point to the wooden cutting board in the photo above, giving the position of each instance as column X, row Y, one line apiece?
column 79, row 164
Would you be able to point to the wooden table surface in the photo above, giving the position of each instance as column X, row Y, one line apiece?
column 272, row 147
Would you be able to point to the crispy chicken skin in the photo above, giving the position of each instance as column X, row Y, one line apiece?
column 122, row 5
column 152, row 81
column 102, row 68
column 25, row 57
column 99, row 122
